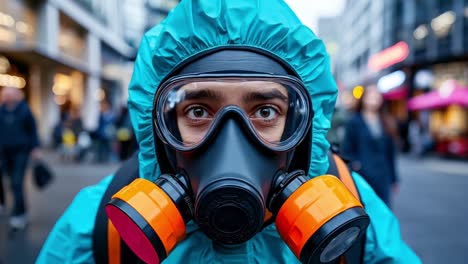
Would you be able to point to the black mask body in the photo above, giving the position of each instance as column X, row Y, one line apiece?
column 231, row 179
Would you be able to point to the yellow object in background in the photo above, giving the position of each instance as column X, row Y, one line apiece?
column 124, row 134
column 68, row 138
column 457, row 119
column 358, row 91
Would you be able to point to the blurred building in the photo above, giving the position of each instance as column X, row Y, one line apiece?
column 328, row 30
column 158, row 10
column 135, row 17
column 70, row 53
column 407, row 48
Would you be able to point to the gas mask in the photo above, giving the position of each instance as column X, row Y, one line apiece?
column 231, row 138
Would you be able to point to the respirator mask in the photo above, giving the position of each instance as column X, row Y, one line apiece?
column 230, row 137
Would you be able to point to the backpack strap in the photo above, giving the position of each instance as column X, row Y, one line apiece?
column 338, row 168
column 108, row 248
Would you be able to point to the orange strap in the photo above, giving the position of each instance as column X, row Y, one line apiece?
column 345, row 176
column 348, row 181
column 342, row 260
column 113, row 244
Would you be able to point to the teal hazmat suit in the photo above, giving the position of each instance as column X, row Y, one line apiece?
column 194, row 27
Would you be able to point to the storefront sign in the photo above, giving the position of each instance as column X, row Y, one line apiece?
column 391, row 81
column 388, row 57
column 12, row 81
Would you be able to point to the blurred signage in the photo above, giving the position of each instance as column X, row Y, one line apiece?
column 4, row 64
column 389, row 56
column 391, row 81
column 423, row 79
column 12, row 81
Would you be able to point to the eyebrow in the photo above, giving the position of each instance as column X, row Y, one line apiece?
column 263, row 96
column 203, row 94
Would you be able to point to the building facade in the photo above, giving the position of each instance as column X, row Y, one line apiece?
column 406, row 48
column 328, row 30
column 157, row 10
column 69, row 53
column 63, row 49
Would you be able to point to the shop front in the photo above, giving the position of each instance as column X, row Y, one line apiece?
column 43, row 53
column 394, row 89
column 447, row 106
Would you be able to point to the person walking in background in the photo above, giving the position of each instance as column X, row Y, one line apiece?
column 18, row 141
column 73, row 128
column 105, row 132
column 369, row 145
column 69, row 138
column 337, row 130
column 125, row 135
column 57, row 132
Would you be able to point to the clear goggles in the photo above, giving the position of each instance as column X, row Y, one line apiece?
column 276, row 110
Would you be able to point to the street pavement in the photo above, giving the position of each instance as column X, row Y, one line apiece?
column 431, row 205
column 46, row 206
column 433, row 208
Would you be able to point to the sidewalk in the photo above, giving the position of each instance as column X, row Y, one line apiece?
column 45, row 207
column 435, row 164
column 431, row 207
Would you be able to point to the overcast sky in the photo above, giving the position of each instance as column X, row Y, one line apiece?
column 309, row 11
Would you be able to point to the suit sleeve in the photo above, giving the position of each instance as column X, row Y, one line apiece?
column 70, row 240
column 383, row 239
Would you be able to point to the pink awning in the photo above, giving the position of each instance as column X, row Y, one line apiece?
column 396, row 94
column 450, row 94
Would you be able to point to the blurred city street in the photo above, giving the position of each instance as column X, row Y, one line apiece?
column 401, row 74
column 431, row 207
column 45, row 207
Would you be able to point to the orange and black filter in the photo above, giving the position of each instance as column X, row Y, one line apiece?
column 151, row 217
column 319, row 219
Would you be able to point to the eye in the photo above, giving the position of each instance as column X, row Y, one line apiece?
column 266, row 113
column 197, row 112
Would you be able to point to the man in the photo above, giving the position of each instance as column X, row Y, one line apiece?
column 105, row 132
column 18, row 141
column 231, row 102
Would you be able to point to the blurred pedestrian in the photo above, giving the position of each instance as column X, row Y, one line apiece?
column 57, row 131
column 68, row 144
column 19, row 142
column 105, row 133
column 125, row 136
column 369, row 144
column 415, row 135
column 76, row 124
column 337, row 130
column 73, row 130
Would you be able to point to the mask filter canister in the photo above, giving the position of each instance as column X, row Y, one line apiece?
column 319, row 219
